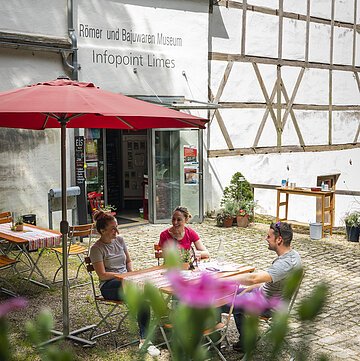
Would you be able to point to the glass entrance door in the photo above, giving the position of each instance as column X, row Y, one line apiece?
column 176, row 174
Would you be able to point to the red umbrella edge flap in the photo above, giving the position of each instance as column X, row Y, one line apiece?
column 84, row 105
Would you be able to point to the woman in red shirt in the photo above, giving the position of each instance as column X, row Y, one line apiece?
column 181, row 235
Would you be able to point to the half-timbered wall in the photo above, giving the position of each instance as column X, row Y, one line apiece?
column 285, row 75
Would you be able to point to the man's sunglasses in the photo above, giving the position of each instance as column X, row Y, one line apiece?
column 277, row 226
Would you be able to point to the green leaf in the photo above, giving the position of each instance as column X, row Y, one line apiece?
column 251, row 331
column 39, row 330
column 189, row 325
column 172, row 258
column 134, row 298
column 311, row 306
column 292, row 282
column 278, row 331
column 157, row 302
column 5, row 353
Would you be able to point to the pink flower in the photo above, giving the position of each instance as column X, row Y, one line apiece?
column 255, row 302
column 203, row 292
column 242, row 212
column 12, row 304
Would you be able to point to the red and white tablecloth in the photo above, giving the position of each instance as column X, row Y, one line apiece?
column 158, row 277
column 36, row 237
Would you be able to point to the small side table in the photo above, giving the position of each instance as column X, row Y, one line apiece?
column 323, row 195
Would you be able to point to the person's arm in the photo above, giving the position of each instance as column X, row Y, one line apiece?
column 163, row 238
column 100, row 271
column 201, row 251
column 251, row 279
column 128, row 261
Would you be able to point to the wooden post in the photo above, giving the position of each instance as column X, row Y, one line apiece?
column 243, row 28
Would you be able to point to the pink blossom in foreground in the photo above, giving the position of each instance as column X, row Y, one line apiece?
column 255, row 302
column 12, row 304
column 202, row 292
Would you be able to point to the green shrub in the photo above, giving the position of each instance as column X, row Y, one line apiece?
column 239, row 190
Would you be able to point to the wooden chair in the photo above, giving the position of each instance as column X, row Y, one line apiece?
column 76, row 249
column 96, row 202
column 7, row 263
column 5, row 217
column 158, row 253
column 106, row 309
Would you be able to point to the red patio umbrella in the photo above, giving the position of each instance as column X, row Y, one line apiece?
column 64, row 103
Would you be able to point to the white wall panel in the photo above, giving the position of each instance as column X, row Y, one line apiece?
column 225, row 29
column 345, row 88
column 294, row 39
column 47, row 17
column 262, row 34
column 319, row 43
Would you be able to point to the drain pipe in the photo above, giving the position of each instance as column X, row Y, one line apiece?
column 74, row 63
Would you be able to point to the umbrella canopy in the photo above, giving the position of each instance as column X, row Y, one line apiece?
column 84, row 105
column 64, row 103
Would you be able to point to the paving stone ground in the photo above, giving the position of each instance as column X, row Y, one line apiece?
column 331, row 259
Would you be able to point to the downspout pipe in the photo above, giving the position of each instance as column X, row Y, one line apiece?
column 71, row 30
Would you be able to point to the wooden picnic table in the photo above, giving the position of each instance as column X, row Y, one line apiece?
column 30, row 239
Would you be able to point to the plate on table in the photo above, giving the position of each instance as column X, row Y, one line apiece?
column 315, row 189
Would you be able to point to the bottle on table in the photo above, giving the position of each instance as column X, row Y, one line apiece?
column 220, row 257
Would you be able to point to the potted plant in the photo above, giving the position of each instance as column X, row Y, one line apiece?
column 18, row 225
column 224, row 218
column 246, row 210
column 352, row 223
column 242, row 218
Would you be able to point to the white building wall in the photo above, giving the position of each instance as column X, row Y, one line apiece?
column 109, row 59
column 30, row 164
column 189, row 77
column 243, row 86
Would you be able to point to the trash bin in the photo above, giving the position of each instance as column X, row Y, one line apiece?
column 315, row 230
column 29, row 218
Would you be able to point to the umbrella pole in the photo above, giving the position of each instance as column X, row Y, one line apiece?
column 64, row 229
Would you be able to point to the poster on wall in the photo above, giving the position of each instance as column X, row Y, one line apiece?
column 92, row 173
column 91, row 149
column 190, row 154
column 191, row 175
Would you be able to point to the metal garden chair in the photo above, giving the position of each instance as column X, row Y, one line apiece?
column 106, row 310
column 75, row 248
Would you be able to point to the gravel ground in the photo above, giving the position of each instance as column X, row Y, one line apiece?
column 332, row 259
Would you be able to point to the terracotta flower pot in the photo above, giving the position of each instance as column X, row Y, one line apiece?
column 19, row 227
column 242, row 221
column 228, row 222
